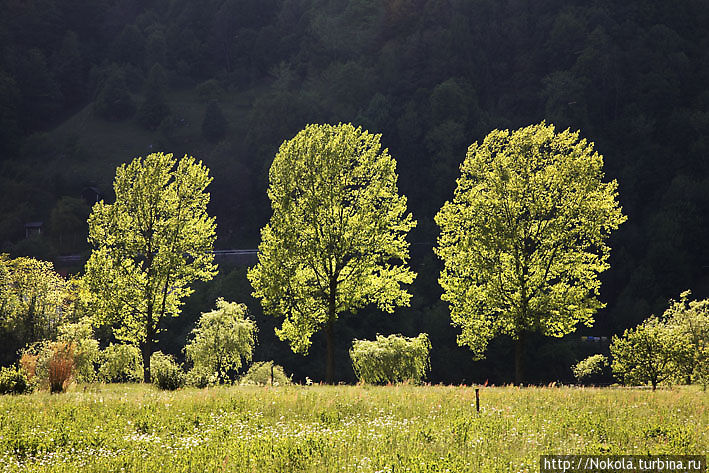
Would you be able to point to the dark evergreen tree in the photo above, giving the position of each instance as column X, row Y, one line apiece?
column 154, row 108
column 214, row 124
column 114, row 101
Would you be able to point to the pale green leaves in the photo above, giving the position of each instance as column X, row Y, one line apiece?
column 33, row 297
column 391, row 359
column 223, row 340
column 336, row 239
column 151, row 244
column 524, row 239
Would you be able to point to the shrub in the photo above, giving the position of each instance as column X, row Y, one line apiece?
column 86, row 352
column 60, row 366
column 28, row 365
column 120, row 364
column 260, row 374
column 223, row 340
column 14, row 381
column 590, row 368
column 201, row 378
column 48, row 364
column 391, row 359
column 165, row 372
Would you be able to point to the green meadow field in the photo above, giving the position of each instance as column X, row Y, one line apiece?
column 137, row 428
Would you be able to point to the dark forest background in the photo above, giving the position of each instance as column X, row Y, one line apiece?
column 88, row 84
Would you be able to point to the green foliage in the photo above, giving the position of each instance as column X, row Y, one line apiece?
column 167, row 374
column 589, row 368
column 200, row 377
column 645, row 354
column 114, row 101
column 120, row 363
column 214, row 124
column 259, row 374
column 336, row 239
column 524, row 239
column 688, row 322
column 391, row 359
column 33, row 298
column 223, row 339
column 149, row 246
column 85, row 353
column 14, row 381
column 52, row 364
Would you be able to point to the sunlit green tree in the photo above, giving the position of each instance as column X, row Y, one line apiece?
column 223, row 340
column 524, row 238
column 149, row 246
column 33, row 298
column 645, row 354
column 337, row 238
column 688, row 321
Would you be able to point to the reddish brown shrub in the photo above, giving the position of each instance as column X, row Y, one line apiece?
column 28, row 363
column 61, row 366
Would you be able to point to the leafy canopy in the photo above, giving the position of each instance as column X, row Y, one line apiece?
column 223, row 340
column 589, row 367
column 524, row 239
column 150, row 245
column 645, row 354
column 688, row 322
column 336, row 239
column 33, row 298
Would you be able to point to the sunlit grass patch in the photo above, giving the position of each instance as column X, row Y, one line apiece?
column 344, row 428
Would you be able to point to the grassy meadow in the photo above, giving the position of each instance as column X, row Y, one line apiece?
column 137, row 428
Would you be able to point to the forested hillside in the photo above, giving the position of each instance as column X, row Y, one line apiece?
column 88, row 84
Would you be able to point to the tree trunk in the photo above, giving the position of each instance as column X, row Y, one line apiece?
column 148, row 346
column 519, row 359
column 330, row 370
column 147, row 352
column 329, row 332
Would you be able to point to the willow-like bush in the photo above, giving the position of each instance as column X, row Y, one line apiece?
column 391, row 359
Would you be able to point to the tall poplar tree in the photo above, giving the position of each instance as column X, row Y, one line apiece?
column 337, row 238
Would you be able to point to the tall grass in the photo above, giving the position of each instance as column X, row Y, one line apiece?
column 96, row 428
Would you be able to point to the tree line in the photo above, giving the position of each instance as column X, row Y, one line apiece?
column 523, row 242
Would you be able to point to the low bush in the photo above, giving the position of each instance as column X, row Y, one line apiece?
column 201, row 378
column 590, row 369
column 121, row 364
column 14, row 381
column 391, row 359
column 28, row 365
column 86, row 351
column 260, row 374
column 60, row 366
column 165, row 372
column 49, row 365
